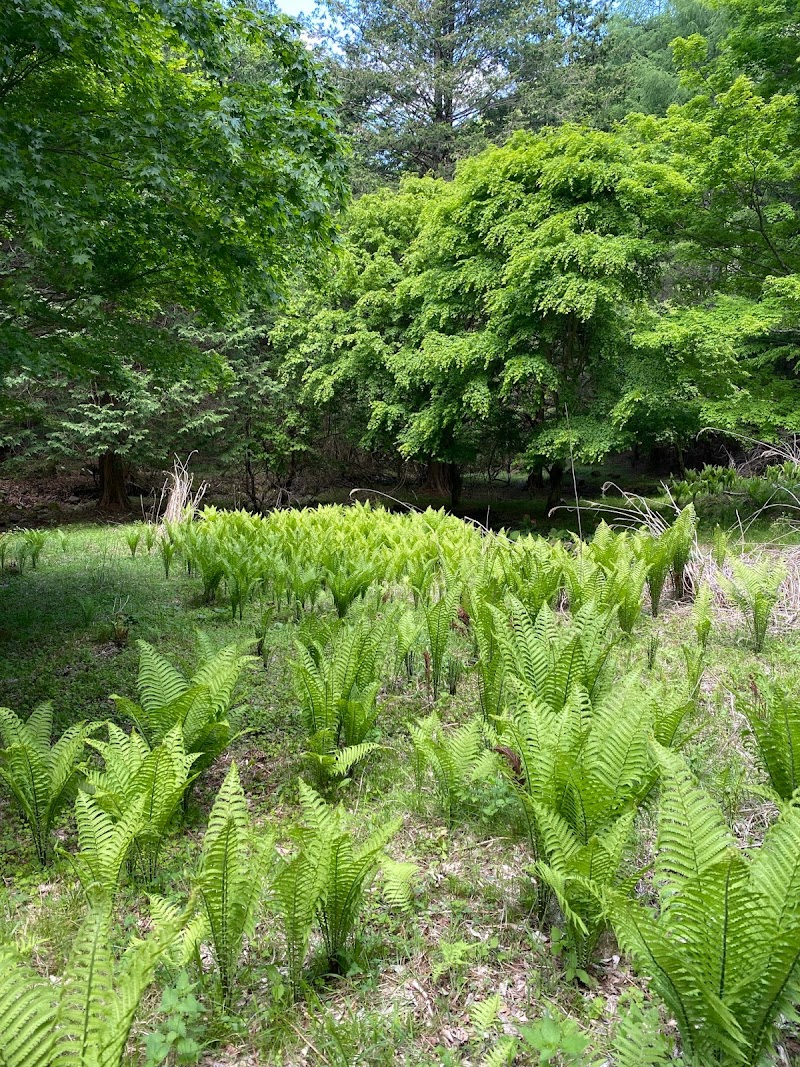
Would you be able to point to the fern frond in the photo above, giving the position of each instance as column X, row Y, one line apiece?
column 398, row 882
column 159, row 683
column 230, row 878
column 28, row 1011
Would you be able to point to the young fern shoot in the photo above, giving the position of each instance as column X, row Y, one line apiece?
column 723, row 949
column 230, row 880
column 754, row 588
column 41, row 777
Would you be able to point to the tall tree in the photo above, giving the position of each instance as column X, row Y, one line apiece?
column 427, row 82
column 494, row 312
column 160, row 163
column 641, row 74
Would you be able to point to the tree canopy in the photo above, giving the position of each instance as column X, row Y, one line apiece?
column 158, row 160
column 575, row 230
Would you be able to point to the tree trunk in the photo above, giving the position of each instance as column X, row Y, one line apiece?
column 444, row 479
column 535, row 479
column 113, row 494
column 556, row 481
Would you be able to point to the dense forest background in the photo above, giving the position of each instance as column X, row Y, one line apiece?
column 401, row 244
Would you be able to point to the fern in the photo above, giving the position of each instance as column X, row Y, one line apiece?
column 587, row 764
column 202, row 706
column 84, row 1021
column 657, row 555
column 406, row 635
column 439, row 618
column 167, row 550
column 334, row 892
column 42, row 778
column 702, row 614
column 135, row 775
column 336, row 763
column 754, row 590
column 458, row 759
column 720, row 546
column 546, row 661
column 724, row 948
column 577, row 873
column 774, row 718
column 338, row 687
column 629, row 580
column 301, row 883
column 33, row 544
column 240, row 578
column 638, row 1040
column 105, row 844
column 352, row 869
column 133, row 536
column 535, row 574
column 348, row 586
column 490, row 664
column 680, row 537
column 230, row 879
column 28, row 1008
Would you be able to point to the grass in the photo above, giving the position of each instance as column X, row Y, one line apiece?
column 68, row 635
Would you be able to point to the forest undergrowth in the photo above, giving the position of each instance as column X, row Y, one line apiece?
column 339, row 786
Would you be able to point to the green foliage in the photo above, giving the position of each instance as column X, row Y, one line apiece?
column 111, row 232
column 133, row 536
column 337, row 685
column 41, row 777
column 681, row 540
column 549, row 662
column 352, row 869
column 490, row 665
column 85, row 1020
column 325, row 881
column 105, row 843
column 439, row 618
column 167, row 549
column 754, row 589
column 587, row 763
column 723, row 951
column 773, row 713
column 230, row 880
column 458, row 759
column 638, row 1041
column 467, row 333
column 346, row 588
column 554, row 1039
column 135, row 776
column 423, row 87
column 578, row 873
column 775, row 487
column 657, row 555
column 702, row 614
column 177, row 1038
column 202, row 706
